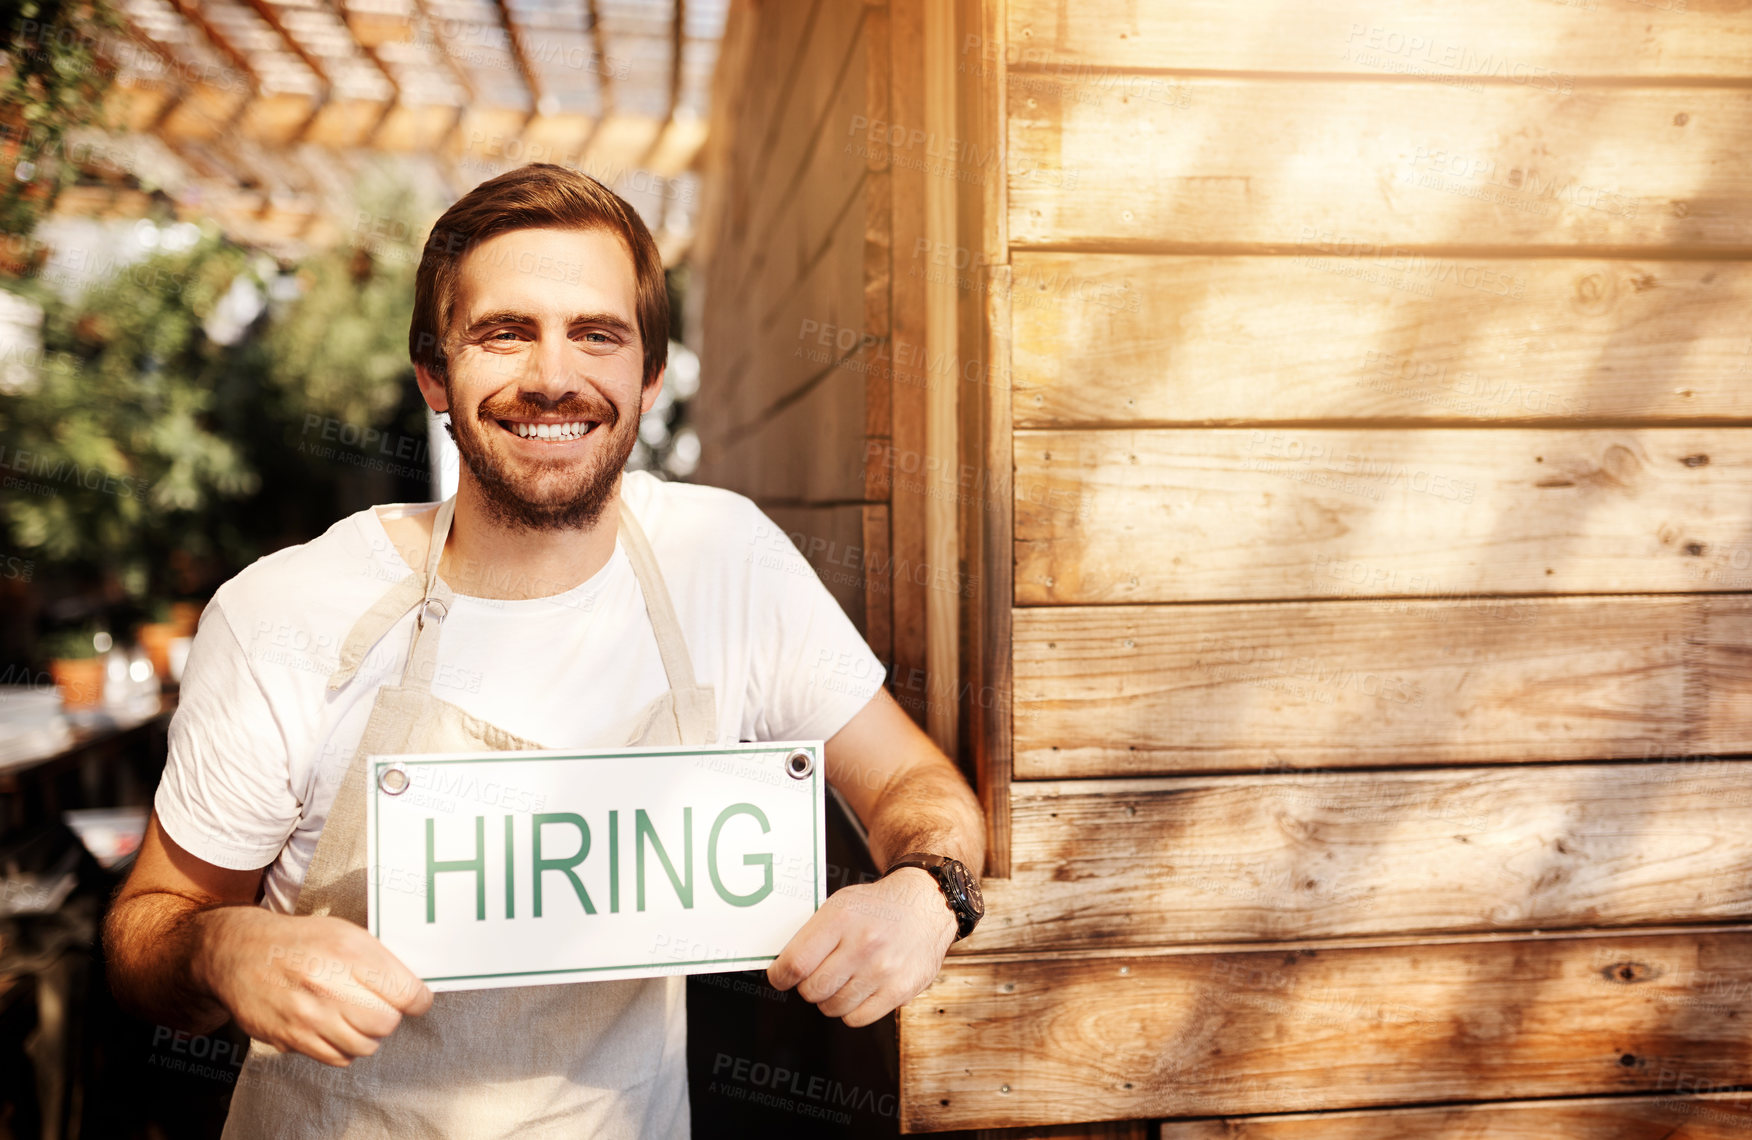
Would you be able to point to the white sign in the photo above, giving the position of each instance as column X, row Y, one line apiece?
column 530, row 868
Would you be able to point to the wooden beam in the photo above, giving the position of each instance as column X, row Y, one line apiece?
column 1442, row 41
column 943, row 387
column 1279, row 857
column 1236, row 514
column 325, row 85
column 1354, row 683
column 192, row 12
column 1143, row 340
column 1299, row 1027
column 598, row 44
column 984, row 360
column 1367, row 172
column 1675, row 1115
column 520, row 52
column 395, row 88
column 447, row 52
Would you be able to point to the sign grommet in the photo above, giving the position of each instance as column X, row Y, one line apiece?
column 393, row 780
column 799, row 765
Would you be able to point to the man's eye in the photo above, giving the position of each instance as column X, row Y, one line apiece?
column 505, row 333
column 599, row 338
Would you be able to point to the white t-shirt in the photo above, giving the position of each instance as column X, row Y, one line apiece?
column 258, row 745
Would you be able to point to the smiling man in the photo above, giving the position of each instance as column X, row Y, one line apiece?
column 555, row 602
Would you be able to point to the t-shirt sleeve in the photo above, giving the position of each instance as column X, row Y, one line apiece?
column 226, row 795
column 811, row 670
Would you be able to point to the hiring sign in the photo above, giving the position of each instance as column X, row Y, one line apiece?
column 530, row 868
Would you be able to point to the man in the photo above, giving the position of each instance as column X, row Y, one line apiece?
column 555, row 603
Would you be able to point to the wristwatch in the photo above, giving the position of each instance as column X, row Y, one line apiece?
column 959, row 887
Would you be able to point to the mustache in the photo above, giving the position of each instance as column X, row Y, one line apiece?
column 571, row 406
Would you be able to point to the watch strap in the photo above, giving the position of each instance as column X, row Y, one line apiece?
column 965, row 917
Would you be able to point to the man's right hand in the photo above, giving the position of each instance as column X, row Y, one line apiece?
column 187, row 946
column 315, row 985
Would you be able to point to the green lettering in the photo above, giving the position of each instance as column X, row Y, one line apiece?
column 614, row 862
column 510, row 874
column 761, row 860
column 565, row 865
column 642, row 830
column 435, row 867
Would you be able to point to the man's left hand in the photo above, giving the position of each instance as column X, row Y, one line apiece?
column 870, row 948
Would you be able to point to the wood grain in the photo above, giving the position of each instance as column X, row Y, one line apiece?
column 810, row 170
column 988, row 537
column 1323, row 169
column 808, row 449
column 1135, row 339
column 1713, row 1116
column 1230, row 514
column 1145, row 690
column 1488, row 40
column 1331, row 855
column 1008, row 1042
column 909, row 378
column 833, row 540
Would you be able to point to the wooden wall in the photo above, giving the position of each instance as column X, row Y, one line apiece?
column 784, row 413
column 1295, row 456
column 1373, row 382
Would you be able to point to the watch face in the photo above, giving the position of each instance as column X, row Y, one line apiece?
column 967, row 887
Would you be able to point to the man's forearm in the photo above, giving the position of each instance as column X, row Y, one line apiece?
column 928, row 807
column 152, row 942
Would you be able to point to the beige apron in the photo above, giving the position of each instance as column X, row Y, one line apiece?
column 589, row 1059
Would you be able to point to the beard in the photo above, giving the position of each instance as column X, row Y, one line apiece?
column 554, row 495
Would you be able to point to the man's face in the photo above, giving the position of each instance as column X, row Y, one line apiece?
column 543, row 387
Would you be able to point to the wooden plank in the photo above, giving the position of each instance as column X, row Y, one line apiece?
column 909, row 384
column 1230, row 514
column 1123, row 339
column 1001, row 1042
column 1147, row 690
column 878, row 628
column 989, row 532
column 1321, row 167
column 809, row 450
column 1101, row 1130
column 943, row 389
column 784, row 29
column 1280, row 857
column 1712, row 1116
column 983, row 335
column 832, row 539
column 1501, row 41
column 878, row 239
column 809, row 157
column 807, row 326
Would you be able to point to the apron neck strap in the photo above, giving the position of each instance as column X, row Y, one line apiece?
column 435, row 602
column 432, row 599
column 677, row 665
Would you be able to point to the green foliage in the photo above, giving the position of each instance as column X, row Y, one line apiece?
column 54, row 82
column 148, row 451
column 114, row 458
column 342, row 349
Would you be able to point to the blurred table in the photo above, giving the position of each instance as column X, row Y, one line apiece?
column 95, row 759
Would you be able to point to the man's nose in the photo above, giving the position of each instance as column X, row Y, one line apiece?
column 551, row 367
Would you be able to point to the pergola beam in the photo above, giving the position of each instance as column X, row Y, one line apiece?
column 603, row 79
column 520, row 52
column 370, row 53
column 325, row 84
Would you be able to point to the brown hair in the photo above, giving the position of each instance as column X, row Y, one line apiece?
column 540, row 195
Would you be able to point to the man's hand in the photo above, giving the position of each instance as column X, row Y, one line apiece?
column 870, row 948
column 319, row 986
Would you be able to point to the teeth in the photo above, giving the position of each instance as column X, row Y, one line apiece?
column 552, row 431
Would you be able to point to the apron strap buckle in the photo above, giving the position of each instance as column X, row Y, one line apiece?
column 435, row 607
